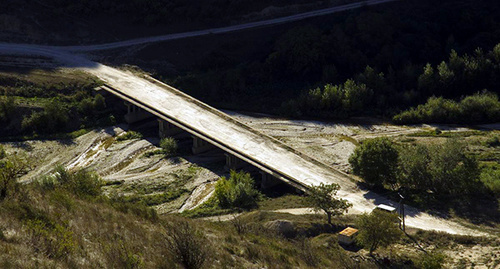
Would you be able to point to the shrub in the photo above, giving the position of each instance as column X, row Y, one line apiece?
column 91, row 105
column 375, row 160
column 490, row 177
column 129, row 135
column 169, row 146
column 11, row 168
column 432, row 260
column 54, row 117
column 237, row 191
column 187, row 245
column 477, row 108
column 7, row 107
column 81, row 183
column 378, row 229
column 51, row 239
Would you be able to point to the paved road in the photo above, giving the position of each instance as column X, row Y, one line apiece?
column 229, row 134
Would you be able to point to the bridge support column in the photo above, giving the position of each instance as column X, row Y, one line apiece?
column 268, row 181
column 233, row 162
column 135, row 113
column 167, row 129
column 200, row 145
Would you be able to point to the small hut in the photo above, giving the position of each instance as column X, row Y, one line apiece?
column 347, row 236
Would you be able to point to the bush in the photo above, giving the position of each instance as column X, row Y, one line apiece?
column 54, row 117
column 91, row 105
column 187, row 245
column 432, row 260
column 82, row 183
column 51, row 239
column 237, row 191
column 376, row 161
column 129, row 135
column 478, row 108
column 11, row 168
column 378, row 229
column 490, row 177
column 7, row 107
column 169, row 146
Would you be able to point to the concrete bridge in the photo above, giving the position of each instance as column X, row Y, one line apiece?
column 242, row 144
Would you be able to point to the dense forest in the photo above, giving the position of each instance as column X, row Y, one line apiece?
column 394, row 57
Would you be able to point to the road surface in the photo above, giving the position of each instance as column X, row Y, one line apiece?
column 230, row 133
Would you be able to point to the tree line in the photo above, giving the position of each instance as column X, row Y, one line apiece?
column 429, row 172
column 402, row 54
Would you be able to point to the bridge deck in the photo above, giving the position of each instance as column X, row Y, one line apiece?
column 216, row 127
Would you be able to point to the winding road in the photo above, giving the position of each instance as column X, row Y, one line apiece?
column 220, row 127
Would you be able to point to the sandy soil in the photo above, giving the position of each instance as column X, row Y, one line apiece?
column 331, row 143
column 120, row 161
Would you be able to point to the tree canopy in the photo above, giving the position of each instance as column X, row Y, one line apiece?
column 322, row 198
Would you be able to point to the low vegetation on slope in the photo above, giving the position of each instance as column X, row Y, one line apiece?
column 64, row 220
column 46, row 102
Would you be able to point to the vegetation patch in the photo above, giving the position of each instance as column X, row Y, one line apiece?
column 478, row 108
column 129, row 136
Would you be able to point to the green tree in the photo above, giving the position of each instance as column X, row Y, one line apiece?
column 322, row 198
column 378, row 229
column 376, row 161
column 452, row 170
column 426, row 81
column 237, row 191
column 414, row 167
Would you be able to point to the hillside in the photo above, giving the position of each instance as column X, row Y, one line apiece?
column 398, row 101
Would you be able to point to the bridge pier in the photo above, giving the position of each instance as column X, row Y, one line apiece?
column 135, row 113
column 233, row 162
column 166, row 129
column 200, row 145
column 268, row 181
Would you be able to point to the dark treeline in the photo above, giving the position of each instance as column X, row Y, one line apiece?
column 153, row 12
column 403, row 53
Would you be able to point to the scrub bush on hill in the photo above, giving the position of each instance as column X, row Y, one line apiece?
column 236, row 191
column 81, row 183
